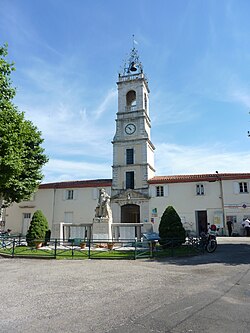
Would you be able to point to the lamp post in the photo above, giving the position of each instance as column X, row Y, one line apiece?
column 222, row 201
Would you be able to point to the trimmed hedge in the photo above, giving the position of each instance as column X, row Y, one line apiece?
column 171, row 228
column 38, row 228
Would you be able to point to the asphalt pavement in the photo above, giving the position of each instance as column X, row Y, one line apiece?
column 207, row 293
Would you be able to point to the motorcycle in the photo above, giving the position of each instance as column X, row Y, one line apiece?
column 208, row 241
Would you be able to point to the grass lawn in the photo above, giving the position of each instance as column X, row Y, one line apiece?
column 77, row 253
column 27, row 251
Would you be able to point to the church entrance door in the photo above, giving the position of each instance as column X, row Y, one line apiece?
column 130, row 214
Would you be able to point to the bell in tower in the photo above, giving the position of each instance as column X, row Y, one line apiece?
column 133, row 64
column 133, row 67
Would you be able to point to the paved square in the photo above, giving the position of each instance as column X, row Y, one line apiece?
column 199, row 294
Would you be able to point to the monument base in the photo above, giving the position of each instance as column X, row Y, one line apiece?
column 101, row 229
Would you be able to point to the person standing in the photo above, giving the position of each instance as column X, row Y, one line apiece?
column 246, row 225
column 229, row 227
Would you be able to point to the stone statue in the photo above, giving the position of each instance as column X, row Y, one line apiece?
column 102, row 221
column 103, row 208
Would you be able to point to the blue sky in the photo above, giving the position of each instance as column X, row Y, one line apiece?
column 196, row 55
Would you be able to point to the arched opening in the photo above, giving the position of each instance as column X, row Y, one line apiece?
column 131, row 99
column 130, row 214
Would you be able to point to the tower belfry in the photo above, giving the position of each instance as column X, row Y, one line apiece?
column 133, row 151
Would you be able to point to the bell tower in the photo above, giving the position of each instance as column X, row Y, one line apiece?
column 133, row 151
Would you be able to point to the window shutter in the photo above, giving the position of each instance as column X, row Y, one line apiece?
column 165, row 190
column 75, row 194
column 236, row 187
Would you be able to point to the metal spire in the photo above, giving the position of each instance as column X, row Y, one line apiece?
column 133, row 64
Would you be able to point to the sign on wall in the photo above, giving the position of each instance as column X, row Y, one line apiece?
column 154, row 212
column 218, row 219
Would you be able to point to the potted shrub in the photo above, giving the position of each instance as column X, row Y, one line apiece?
column 82, row 244
column 110, row 246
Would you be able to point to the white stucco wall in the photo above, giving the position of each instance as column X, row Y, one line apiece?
column 182, row 196
column 53, row 204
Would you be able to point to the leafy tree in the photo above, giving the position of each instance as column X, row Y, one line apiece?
column 38, row 228
column 171, row 228
column 21, row 153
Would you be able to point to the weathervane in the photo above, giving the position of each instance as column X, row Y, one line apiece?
column 134, row 41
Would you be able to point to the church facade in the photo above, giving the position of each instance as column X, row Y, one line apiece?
column 138, row 196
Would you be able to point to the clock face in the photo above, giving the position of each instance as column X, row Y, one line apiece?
column 130, row 129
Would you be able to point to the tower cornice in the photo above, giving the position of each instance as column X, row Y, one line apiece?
column 140, row 113
column 135, row 140
column 133, row 77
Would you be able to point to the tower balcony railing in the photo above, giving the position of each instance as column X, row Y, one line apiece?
column 131, row 108
column 130, row 77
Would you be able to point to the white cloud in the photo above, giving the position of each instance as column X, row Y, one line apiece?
column 59, row 107
column 77, row 115
column 242, row 96
column 109, row 100
column 17, row 25
column 173, row 108
column 170, row 159
column 173, row 159
column 61, row 170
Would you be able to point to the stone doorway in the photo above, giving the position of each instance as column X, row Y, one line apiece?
column 130, row 214
column 201, row 217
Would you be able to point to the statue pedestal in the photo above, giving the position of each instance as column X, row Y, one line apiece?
column 102, row 229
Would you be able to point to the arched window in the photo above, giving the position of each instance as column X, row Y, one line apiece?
column 131, row 99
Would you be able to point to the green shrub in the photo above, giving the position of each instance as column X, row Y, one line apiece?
column 171, row 230
column 38, row 228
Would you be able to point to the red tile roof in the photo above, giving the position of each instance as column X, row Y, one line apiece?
column 155, row 180
column 198, row 178
column 78, row 184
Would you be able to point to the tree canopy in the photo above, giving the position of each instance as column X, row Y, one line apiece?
column 21, row 153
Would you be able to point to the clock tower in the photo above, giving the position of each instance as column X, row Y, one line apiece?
column 133, row 151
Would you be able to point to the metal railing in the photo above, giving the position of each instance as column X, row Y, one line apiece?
column 131, row 108
column 130, row 77
column 97, row 249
